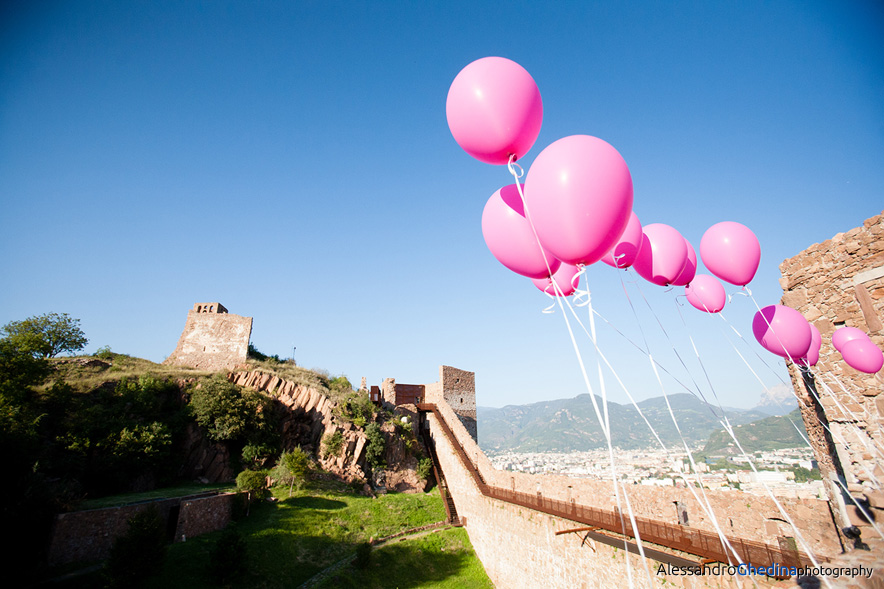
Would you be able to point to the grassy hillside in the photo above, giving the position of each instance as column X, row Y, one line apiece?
column 770, row 433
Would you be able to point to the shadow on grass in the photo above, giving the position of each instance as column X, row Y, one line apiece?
column 308, row 502
column 432, row 559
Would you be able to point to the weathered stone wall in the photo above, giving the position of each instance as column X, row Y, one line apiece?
column 456, row 389
column 840, row 282
column 212, row 341
column 89, row 535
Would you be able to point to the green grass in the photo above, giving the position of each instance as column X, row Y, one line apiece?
column 85, row 378
column 290, row 541
column 441, row 559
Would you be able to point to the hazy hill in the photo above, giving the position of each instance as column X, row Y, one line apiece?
column 567, row 425
column 770, row 433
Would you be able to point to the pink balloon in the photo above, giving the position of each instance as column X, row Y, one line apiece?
column 494, row 110
column 662, row 255
column 843, row 335
column 622, row 255
column 579, row 194
column 690, row 267
column 816, row 342
column 706, row 293
column 782, row 331
column 564, row 279
column 510, row 238
column 731, row 251
column 863, row 355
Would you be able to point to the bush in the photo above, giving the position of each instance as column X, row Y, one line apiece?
column 139, row 552
column 292, row 469
column 227, row 412
column 254, row 456
column 374, row 450
column 104, row 353
column 228, row 557
column 332, row 444
column 253, row 483
column 424, row 468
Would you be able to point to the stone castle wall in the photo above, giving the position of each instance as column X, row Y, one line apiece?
column 213, row 339
column 89, row 535
column 519, row 548
column 840, row 282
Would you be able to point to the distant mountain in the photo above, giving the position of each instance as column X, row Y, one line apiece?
column 770, row 433
column 568, row 425
column 777, row 400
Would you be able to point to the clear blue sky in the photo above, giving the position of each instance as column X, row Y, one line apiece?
column 292, row 160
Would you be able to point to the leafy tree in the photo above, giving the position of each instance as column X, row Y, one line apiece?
column 139, row 552
column 292, row 468
column 46, row 335
column 227, row 412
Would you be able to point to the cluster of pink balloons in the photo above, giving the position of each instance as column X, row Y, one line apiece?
column 785, row 332
column 578, row 198
column 577, row 210
column 858, row 349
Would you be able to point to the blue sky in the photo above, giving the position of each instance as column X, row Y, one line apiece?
column 292, row 160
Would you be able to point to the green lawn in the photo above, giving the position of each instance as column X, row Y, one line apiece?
column 443, row 559
column 290, row 541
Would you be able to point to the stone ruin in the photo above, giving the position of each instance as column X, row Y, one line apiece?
column 213, row 339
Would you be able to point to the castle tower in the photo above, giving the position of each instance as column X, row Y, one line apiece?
column 213, row 339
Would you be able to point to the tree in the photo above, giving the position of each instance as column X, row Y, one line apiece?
column 374, row 450
column 292, row 468
column 226, row 411
column 46, row 335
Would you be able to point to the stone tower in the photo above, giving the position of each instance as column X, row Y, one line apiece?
column 213, row 339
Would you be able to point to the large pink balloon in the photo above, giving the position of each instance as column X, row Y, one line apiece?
column 622, row 255
column 662, row 255
column 863, row 355
column 564, row 279
column 731, row 251
column 782, row 331
column 843, row 335
column 494, row 110
column 690, row 267
column 706, row 293
column 510, row 238
column 579, row 194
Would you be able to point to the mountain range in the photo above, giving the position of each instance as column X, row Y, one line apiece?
column 571, row 425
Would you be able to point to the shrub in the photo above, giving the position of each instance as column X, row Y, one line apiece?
column 424, row 468
column 374, row 450
column 253, row 483
column 228, row 557
column 139, row 552
column 226, row 411
column 332, row 444
column 254, row 456
column 104, row 353
column 292, row 468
